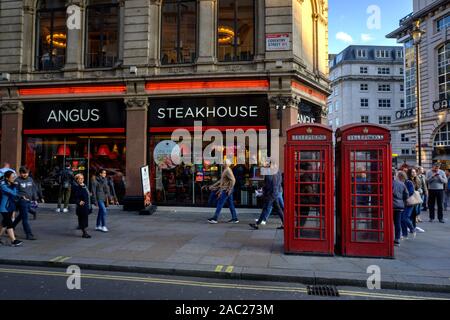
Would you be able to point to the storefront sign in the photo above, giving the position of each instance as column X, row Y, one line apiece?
column 308, row 112
column 215, row 111
column 407, row 113
column 278, row 42
column 146, row 187
column 441, row 105
column 83, row 114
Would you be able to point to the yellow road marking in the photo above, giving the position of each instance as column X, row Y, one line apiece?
column 56, row 259
column 229, row 269
column 215, row 285
column 219, row 268
column 64, row 259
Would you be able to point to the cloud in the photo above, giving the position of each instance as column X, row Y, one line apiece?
column 345, row 37
column 366, row 37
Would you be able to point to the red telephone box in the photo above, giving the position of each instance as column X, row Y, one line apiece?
column 309, row 205
column 364, row 191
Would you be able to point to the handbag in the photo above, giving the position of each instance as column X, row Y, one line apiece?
column 414, row 199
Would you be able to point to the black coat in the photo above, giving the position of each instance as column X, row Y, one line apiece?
column 81, row 193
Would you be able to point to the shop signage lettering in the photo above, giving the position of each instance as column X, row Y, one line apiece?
column 308, row 137
column 365, row 137
column 441, row 105
column 207, row 112
column 405, row 113
column 248, row 110
column 278, row 42
column 301, row 118
column 74, row 115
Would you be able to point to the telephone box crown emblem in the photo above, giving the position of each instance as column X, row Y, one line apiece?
column 309, row 130
column 366, row 130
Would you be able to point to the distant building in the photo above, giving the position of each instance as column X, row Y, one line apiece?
column 434, row 57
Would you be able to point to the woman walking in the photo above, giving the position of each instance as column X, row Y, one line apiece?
column 7, row 207
column 400, row 197
column 100, row 194
column 407, row 213
column 414, row 177
column 81, row 195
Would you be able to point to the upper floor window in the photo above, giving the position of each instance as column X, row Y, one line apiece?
column 384, row 87
column 363, row 70
column 402, row 71
column 444, row 71
column 364, row 119
column 102, row 30
column 364, row 87
column 236, row 30
column 361, row 53
column 443, row 23
column 179, row 30
column 52, row 35
column 384, row 103
column 383, row 54
column 399, row 54
column 384, row 71
column 384, row 120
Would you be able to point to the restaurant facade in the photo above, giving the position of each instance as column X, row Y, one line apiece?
column 117, row 86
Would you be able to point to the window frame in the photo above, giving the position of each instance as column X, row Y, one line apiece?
column 365, row 103
column 384, row 103
column 445, row 64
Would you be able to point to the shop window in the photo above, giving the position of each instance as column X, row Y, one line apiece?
column 51, row 35
column 102, row 34
column 235, row 30
column 179, row 30
column 444, row 71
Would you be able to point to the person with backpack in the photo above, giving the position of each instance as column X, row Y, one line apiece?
column 66, row 180
column 8, row 206
column 100, row 196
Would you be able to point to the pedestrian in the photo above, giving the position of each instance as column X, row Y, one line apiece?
column 66, row 180
column 7, row 207
column 224, row 190
column 400, row 196
column 412, row 176
column 271, row 195
column 26, row 190
column 83, row 206
column 406, row 223
column 40, row 197
column 423, row 180
column 447, row 190
column 436, row 180
column 6, row 167
column 100, row 194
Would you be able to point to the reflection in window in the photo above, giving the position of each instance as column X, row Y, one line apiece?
column 103, row 30
column 52, row 35
column 235, row 30
column 179, row 30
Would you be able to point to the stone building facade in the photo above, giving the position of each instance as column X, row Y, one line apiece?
column 82, row 79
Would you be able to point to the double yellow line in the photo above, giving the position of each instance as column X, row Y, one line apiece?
column 60, row 259
column 373, row 295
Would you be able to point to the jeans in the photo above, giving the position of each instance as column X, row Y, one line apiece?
column 64, row 196
column 212, row 200
column 268, row 207
column 406, row 221
column 425, row 202
column 414, row 214
column 101, row 217
column 436, row 196
column 397, row 224
column 24, row 209
column 224, row 197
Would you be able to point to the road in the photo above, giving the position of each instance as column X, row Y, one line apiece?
column 29, row 283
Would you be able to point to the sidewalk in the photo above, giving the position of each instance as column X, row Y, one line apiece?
column 182, row 243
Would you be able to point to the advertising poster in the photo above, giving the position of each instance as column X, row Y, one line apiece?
column 146, row 188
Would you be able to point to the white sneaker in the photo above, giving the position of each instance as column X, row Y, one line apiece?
column 58, row 210
column 98, row 228
column 65, row 210
column 104, row 229
column 420, row 230
column 263, row 223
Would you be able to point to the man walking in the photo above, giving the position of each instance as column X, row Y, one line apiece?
column 224, row 189
column 26, row 191
column 66, row 180
column 436, row 180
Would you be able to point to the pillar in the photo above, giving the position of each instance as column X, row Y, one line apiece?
column 74, row 36
column 136, row 141
column 12, row 115
column 207, row 35
column 154, row 27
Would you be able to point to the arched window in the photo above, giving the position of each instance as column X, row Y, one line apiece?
column 52, row 34
column 444, row 71
column 236, row 30
column 442, row 138
column 102, row 47
column 179, row 31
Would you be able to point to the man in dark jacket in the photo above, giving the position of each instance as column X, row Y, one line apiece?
column 400, row 196
column 66, row 180
column 26, row 193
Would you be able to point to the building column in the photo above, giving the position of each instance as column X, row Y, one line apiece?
column 12, row 115
column 74, row 39
column 28, row 27
column 207, row 35
column 154, row 27
column 136, row 142
column 260, row 27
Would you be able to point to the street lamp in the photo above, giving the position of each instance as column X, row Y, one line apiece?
column 417, row 34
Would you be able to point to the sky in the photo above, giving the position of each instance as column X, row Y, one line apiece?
column 364, row 22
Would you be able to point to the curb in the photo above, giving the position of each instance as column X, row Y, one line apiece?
column 307, row 278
